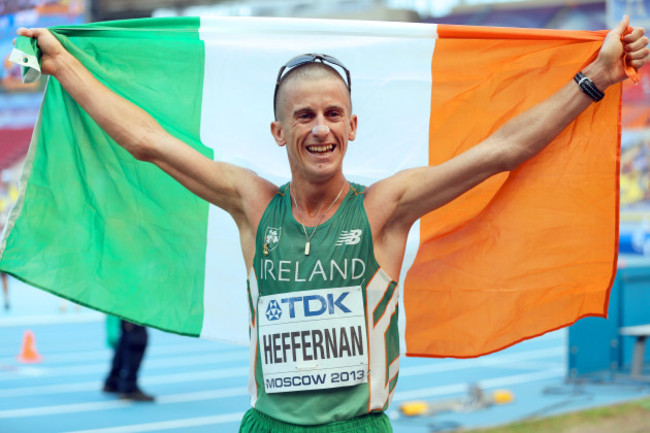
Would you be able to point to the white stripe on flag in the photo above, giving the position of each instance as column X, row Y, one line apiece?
column 390, row 65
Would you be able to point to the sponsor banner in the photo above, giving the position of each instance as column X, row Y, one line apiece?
column 314, row 339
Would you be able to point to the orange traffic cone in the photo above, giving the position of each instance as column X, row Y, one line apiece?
column 28, row 353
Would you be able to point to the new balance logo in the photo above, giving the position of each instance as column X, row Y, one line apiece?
column 351, row 237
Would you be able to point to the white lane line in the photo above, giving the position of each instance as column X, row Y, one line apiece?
column 203, row 395
column 195, row 376
column 534, row 365
column 516, row 361
column 146, row 381
column 168, row 425
column 214, row 359
column 117, row 404
column 517, row 379
column 163, row 379
column 52, row 319
column 153, row 351
column 52, row 389
column 485, row 384
column 64, row 408
column 211, row 360
column 242, row 391
column 486, row 361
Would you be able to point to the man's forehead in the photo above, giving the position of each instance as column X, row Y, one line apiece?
column 314, row 83
column 314, row 80
column 326, row 88
column 300, row 106
column 314, row 69
column 312, row 92
column 306, row 80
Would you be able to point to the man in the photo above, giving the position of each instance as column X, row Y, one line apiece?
column 5, row 289
column 129, row 343
column 321, row 242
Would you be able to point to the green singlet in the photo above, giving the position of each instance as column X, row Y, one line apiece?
column 255, row 421
column 323, row 325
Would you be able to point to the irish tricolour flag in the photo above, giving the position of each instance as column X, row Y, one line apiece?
column 524, row 253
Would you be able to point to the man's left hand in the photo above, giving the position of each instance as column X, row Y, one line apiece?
column 623, row 44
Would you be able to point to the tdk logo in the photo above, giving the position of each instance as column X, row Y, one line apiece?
column 273, row 311
column 315, row 305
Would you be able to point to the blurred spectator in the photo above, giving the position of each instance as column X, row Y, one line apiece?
column 8, row 195
column 5, row 290
column 63, row 306
column 129, row 342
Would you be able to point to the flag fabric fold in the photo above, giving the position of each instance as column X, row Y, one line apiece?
column 523, row 253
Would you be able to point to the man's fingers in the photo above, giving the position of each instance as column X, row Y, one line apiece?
column 30, row 33
column 636, row 45
column 638, row 54
column 637, row 64
column 22, row 31
column 635, row 34
column 622, row 25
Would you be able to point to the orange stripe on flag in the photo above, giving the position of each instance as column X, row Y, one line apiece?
column 528, row 251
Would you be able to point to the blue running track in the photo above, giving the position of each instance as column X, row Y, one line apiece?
column 201, row 386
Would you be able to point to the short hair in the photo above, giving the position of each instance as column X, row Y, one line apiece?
column 309, row 71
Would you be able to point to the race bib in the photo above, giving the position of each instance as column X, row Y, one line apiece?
column 313, row 339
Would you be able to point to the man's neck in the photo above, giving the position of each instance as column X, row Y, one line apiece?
column 315, row 202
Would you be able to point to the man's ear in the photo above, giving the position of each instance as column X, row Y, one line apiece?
column 278, row 133
column 353, row 127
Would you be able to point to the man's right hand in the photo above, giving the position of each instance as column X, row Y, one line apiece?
column 51, row 48
column 237, row 190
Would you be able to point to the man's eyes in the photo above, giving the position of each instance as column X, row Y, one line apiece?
column 334, row 114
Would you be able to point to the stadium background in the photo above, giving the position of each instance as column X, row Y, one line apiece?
column 539, row 372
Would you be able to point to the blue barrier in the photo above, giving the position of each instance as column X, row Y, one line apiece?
column 595, row 344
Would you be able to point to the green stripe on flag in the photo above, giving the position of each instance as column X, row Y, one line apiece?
column 95, row 225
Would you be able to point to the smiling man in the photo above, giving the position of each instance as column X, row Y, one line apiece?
column 323, row 253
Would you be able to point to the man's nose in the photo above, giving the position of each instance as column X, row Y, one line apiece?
column 320, row 130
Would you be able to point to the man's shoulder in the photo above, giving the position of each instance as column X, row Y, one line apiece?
column 380, row 201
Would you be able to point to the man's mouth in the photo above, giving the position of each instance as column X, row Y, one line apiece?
column 321, row 148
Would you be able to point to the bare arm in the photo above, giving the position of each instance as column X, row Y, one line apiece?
column 415, row 192
column 237, row 190
column 222, row 184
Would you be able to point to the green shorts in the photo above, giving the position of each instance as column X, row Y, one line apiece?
column 255, row 421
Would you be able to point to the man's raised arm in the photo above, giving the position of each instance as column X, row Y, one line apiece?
column 224, row 185
column 415, row 192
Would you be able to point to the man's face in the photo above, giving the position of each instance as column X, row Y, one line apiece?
column 303, row 104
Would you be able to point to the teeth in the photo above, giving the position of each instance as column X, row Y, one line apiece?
column 326, row 148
